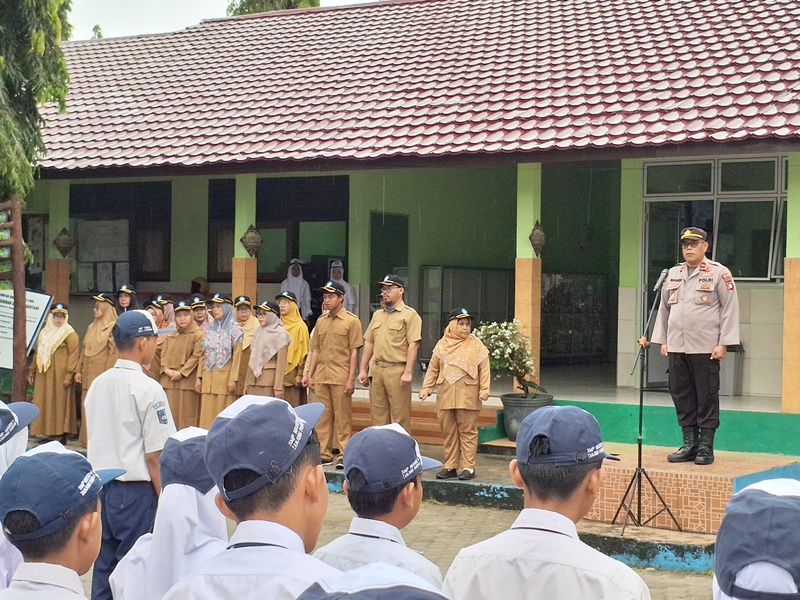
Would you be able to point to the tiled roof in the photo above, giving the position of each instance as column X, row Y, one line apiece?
column 432, row 78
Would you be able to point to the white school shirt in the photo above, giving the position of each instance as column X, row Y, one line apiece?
column 540, row 557
column 270, row 562
column 128, row 416
column 44, row 581
column 369, row 541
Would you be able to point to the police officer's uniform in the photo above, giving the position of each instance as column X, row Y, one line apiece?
column 699, row 310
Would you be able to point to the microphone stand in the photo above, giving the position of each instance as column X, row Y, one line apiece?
column 634, row 489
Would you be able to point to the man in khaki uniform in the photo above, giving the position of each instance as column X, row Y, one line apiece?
column 332, row 369
column 393, row 338
column 697, row 319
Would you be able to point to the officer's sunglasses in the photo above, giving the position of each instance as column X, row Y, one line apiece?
column 690, row 243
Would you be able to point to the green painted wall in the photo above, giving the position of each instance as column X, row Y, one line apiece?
column 793, row 208
column 529, row 206
column 457, row 217
column 630, row 223
column 189, row 256
column 51, row 198
column 323, row 238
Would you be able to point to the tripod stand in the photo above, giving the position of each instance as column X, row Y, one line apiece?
column 634, row 489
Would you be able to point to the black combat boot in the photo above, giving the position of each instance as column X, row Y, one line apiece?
column 705, row 447
column 688, row 451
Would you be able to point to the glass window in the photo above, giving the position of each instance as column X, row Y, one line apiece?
column 273, row 254
column 780, row 244
column 750, row 176
column 679, row 179
column 743, row 237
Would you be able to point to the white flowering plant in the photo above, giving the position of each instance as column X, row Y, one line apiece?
column 510, row 352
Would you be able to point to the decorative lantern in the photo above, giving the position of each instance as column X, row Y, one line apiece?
column 64, row 241
column 251, row 240
column 537, row 238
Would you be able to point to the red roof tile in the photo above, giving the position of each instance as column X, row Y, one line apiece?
column 432, row 78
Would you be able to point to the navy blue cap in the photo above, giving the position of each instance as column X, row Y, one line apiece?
column 392, row 281
column 182, row 460
column 164, row 299
column 136, row 323
column 573, row 434
column 104, row 297
column 154, row 304
column 221, row 298
column 183, row 305
column 373, row 581
column 387, row 457
column 198, row 301
column 458, row 313
column 287, row 294
column 270, row 306
column 15, row 416
column 333, row 287
column 53, row 484
column 126, row 289
column 59, row 308
column 242, row 300
column 266, row 437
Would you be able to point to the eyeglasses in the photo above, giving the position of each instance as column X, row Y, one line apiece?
column 690, row 243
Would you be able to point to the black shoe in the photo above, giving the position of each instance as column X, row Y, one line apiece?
column 705, row 448
column 340, row 463
column 447, row 474
column 61, row 439
column 466, row 475
column 688, row 451
column 327, row 462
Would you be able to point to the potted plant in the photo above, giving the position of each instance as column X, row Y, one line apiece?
column 510, row 352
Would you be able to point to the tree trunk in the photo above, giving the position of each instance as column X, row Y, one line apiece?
column 19, row 382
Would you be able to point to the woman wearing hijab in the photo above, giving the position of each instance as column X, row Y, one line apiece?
column 189, row 530
column 99, row 350
column 52, row 374
column 168, row 305
column 200, row 312
column 181, row 354
column 298, row 349
column 126, row 299
column 14, row 421
column 297, row 285
column 216, row 378
column 155, row 308
column 267, row 363
column 248, row 322
column 460, row 367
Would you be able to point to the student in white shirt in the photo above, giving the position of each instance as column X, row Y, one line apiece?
column 265, row 462
column 188, row 531
column 383, row 483
column 50, row 511
column 374, row 580
column 559, row 467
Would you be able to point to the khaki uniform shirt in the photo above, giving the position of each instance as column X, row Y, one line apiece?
column 464, row 393
column 698, row 311
column 392, row 332
column 183, row 352
column 335, row 338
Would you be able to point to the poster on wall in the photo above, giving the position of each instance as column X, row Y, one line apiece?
column 100, row 241
column 35, row 241
column 105, row 277
column 36, row 307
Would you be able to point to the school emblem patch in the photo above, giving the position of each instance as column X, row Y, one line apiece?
column 162, row 416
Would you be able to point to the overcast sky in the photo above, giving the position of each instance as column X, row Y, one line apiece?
column 126, row 17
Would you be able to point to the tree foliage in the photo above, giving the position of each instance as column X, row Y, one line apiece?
column 97, row 33
column 32, row 72
column 249, row 7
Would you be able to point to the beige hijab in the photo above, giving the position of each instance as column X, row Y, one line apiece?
column 99, row 330
column 459, row 357
column 267, row 342
column 50, row 338
column 249, row 327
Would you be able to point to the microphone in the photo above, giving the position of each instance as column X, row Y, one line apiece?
column 661, row 279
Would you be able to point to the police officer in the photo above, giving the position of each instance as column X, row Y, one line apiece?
column 697, row 319
column 393, row 337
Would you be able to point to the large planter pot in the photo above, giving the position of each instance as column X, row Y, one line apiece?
column 518, row 406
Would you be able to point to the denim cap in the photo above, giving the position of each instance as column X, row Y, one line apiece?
column 573, row 433
column 14, row 417
column 136, row 323
column 53, row 484
column 387, row 456
column 182, row 460
column 373, row 581
column 259, row 433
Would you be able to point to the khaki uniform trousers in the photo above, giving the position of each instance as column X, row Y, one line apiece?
column 335, row 421
column 390, row 402
column 459, row 436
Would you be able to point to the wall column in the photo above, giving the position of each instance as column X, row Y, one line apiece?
column 189, row 243
column 244, row 268
column 630, row 245
column 57, row 275
column 528, row 268
column 790, row 396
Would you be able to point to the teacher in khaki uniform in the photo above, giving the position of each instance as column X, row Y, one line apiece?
column 392, row 337
column 332, row 369
column 697, row 319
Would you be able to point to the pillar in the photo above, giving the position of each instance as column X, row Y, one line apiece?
column 528, row 267
column 790, row 396
column 244, row 268
column 57, row 268
column 189, row 243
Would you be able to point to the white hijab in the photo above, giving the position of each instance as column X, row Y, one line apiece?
column 300, row 288
column 10, row 557
column 189, row 530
